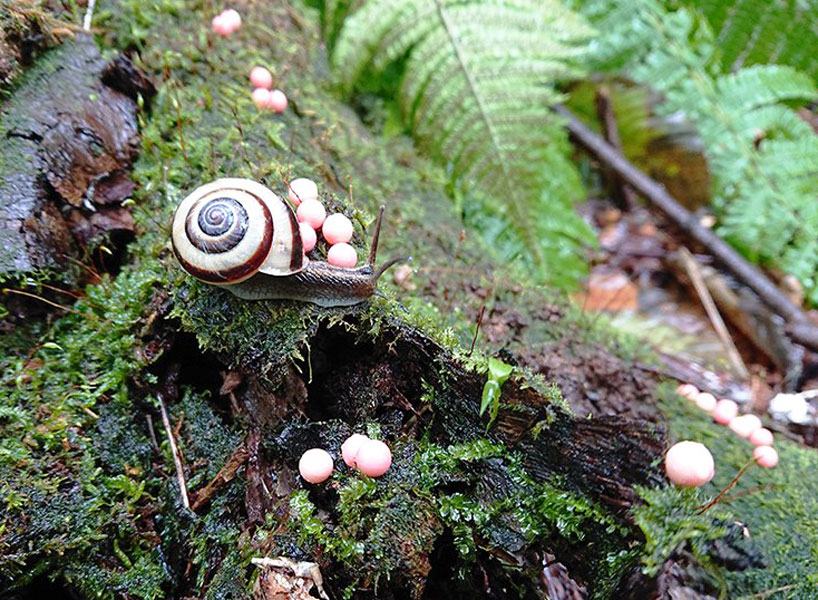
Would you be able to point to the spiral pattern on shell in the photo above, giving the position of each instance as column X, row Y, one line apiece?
column 226, row 231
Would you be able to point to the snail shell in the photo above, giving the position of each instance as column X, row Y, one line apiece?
column 226, row 231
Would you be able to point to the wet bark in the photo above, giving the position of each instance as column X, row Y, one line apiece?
column 68, row 137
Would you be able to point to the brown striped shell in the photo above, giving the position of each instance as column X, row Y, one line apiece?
column 226, row 231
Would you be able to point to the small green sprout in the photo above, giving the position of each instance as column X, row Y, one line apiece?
column 498, row 373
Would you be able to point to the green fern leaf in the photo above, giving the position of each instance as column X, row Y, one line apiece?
column 762, row 156
column 763, row 31
column 478, row 78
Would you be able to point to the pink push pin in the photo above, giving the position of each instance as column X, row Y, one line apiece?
column 342, row 255
column 689, row 464
column 315, row 465
column 725, row 411
column 705, row 401
column 761, row 437
column 232, row 20
column 312, row 212
column 302, row 189
column 350, row 448
column 766, row 456
column 308, row 236
column 745, row 425
column 688, row 390
column 374, row 458
column 278, row 101
column 261, row 98
column 337, row 229
column 261, row 78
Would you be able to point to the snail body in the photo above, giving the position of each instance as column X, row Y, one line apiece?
column 238, row 234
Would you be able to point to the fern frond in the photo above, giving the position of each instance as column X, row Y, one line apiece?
column 762, row 32
column 762, row 156
column 478, row 78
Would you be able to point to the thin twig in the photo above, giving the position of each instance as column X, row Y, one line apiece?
column 768, row 593
column 49, row 302
column 152, row 433
column 745, row 272
column 477, row 329
column 727, row 488
column 177, row 461
column 695, row 274
column 89, row 15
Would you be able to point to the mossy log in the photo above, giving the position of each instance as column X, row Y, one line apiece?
column 538, row 504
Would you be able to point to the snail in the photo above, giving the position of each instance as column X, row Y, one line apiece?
column 238, row 234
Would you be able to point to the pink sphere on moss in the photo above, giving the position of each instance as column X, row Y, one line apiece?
column 308, row 236
column 725, row 411
column 761, row 437
column 315, row 465
column 705, row 401
column 342, row 255
column 689, row 464
column 220, row 26
column 312, row 212
column 261, row 98
column 302, row 189
column 278, row 101
column 374, row 458
column 688, row 390
column 337, row 229
column 350, row 448
column 261, row 78
column 232, row 20
column 766, row 456
column 745, row 425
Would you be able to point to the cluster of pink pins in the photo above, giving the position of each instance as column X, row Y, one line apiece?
column 371, row 457
column 264, row 96
column 691, row 464
column 311, row 215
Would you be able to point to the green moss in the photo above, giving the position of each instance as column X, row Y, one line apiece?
column 102, row 508
column 779, row 506
column 499, row 507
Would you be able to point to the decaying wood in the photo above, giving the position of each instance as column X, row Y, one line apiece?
column 67, row 141
column 745, row 272
column 225, row 475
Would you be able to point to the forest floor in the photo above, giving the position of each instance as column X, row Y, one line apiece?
column 542, row 503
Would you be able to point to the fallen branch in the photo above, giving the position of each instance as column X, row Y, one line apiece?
column 605, row 112
column 749, row 275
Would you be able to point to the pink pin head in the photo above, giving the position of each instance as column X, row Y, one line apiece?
column 315, row 465
column 342, row 255
column 374, row 458
column 350, row 448
column 689, row 464
column 261, row 78
column 337, row 229
column 766, row 456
